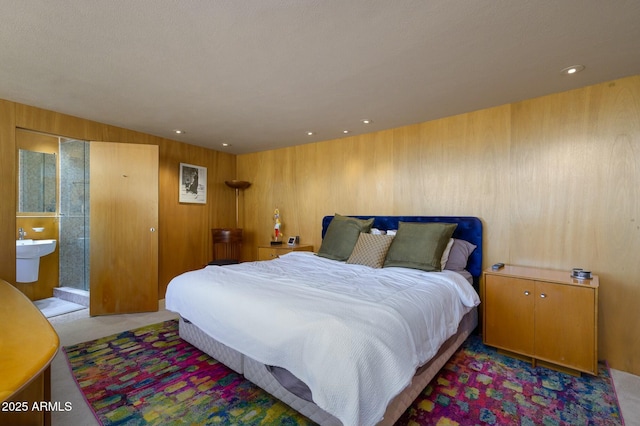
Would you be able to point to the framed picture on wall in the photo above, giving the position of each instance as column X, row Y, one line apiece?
column 193, row 184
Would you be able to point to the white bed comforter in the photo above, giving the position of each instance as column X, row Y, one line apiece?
column 355, row 335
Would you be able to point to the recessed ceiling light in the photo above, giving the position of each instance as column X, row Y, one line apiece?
column 225, row 144
column 179, row 132
column 367, row 121
column 309, row 133
column 345, row 131
column 573, row 69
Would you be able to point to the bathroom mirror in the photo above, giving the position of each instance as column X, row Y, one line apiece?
column 36, row 182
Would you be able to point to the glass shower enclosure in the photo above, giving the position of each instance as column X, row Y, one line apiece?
column 74, row 214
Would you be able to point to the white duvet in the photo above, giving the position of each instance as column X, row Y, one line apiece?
column 355, row 335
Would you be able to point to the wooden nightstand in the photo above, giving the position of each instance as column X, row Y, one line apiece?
column 543, row 314
column 268, row 252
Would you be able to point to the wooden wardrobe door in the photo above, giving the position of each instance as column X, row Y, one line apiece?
column 123, row 224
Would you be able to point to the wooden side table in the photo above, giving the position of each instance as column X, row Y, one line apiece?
column 268, row 252
column 543, row 314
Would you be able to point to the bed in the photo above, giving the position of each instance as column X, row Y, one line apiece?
column 322, row 332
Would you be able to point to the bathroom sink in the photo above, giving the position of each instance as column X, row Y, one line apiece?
column 29, row 249
column 28, row 254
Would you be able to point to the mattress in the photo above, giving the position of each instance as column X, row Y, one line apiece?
column 288, row 311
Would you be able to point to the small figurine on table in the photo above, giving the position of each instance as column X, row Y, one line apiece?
column 277, row 235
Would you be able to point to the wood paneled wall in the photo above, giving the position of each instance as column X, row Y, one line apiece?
column 184, row 229
column 555, row 180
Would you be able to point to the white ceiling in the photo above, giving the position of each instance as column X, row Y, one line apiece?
column 258, row 74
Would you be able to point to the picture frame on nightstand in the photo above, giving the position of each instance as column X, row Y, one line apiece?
column 291, row 241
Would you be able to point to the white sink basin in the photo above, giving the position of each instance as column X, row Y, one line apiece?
column 29, row 249
column 28, row 254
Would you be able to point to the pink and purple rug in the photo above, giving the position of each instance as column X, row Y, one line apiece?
column 150, row 376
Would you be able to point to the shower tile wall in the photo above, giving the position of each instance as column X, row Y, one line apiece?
column 74, row 214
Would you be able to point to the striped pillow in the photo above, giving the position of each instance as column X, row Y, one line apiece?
column 370, row 250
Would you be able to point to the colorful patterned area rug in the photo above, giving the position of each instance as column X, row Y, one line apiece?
column 150, row 376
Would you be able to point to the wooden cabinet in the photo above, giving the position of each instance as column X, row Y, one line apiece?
column 268, row 252
column 542, row 314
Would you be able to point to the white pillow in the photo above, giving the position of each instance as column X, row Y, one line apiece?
column 445, row 254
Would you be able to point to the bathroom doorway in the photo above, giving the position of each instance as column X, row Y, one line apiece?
column 53, row 203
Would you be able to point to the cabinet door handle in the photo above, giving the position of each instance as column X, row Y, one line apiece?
column 543, row 295
column 526, row 293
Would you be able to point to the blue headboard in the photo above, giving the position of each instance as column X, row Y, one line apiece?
column 469, row 228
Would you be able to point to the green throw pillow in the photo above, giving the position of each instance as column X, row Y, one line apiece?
column 419, row 245
column 342, row 235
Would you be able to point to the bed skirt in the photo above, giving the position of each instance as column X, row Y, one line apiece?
column 259, row 373
column 207, row 344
